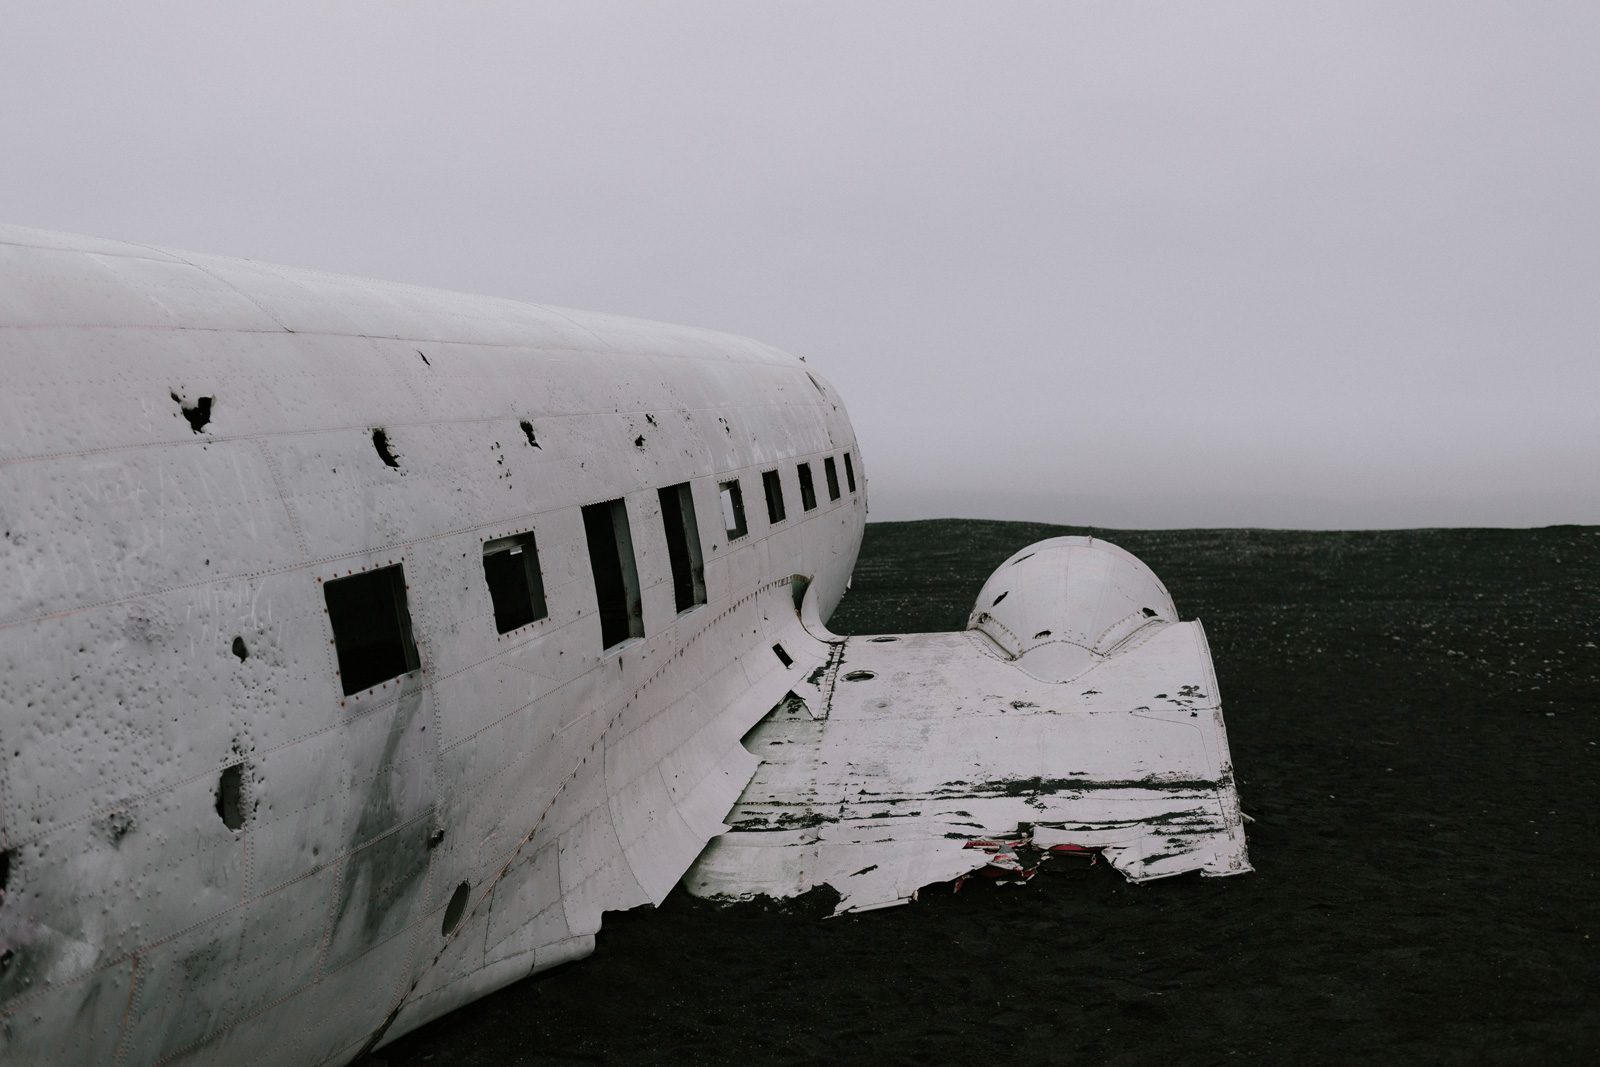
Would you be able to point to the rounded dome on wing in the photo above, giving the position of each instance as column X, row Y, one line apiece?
column 1062, row 605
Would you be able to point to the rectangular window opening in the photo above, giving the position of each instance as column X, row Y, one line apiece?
column 774, row 488
column 733, row 510
column 371, row 627
column 683, row 546
column 783, row 657
column 516, row 584
column 830, row 470
column 616, row 575
column 808, row 490
column 849, row 473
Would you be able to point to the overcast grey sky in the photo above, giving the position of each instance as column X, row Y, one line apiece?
column 1122, row 264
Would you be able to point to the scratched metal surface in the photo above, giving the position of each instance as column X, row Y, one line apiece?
column 141, row 541
column 1422, row 816
column 1101, row 728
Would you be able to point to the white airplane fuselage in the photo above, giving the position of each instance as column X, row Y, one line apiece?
column 214, row 849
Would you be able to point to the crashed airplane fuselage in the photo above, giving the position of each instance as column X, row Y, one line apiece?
column 360, row 645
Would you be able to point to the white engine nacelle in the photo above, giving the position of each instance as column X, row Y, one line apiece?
column 1062, row 605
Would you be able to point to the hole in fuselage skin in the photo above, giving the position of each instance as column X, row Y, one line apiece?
column 616, row 573
column 424, row 358
column 239, row 649
column 1149, row 613
column 1001, row 597
column 859, row 676
column 733, row 510
column 516, row 581
column 455, row 909
column 380, row 441
column 5, row 873
column 783, row 657
column 435, row 839
column 371, row 623
column 1041, row 633
column 882, row 640
column 808, row 488
column 682, row 528
column 1019, row 559
column 230, row 791
column 774, row 487
column 198, row 414
column 830, row 471
column 527, row 428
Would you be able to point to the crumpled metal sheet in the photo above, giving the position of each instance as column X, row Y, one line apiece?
column 888, row 761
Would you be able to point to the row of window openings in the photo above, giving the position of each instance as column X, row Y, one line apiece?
column 772, row 485
column 372, row 623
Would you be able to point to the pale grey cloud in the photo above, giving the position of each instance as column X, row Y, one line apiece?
column 1160, row 264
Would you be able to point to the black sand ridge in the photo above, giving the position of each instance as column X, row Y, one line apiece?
column 1413, row 717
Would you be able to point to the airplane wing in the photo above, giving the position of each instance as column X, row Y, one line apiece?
column 1076, row 712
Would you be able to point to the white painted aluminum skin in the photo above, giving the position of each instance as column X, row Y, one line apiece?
column 1099, row 729
column 190, row 452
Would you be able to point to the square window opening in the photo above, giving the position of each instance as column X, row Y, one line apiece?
column 774, row 488
column 849, row 473
column 616, row 575
column 371, row 627
column 516, row 583
column 830, row 470
column 808, row 489
column 733, row 510
column 683, row 546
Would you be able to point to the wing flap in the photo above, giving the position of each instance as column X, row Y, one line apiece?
column 916, row 745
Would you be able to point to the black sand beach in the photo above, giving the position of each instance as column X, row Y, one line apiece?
column 1413, row 718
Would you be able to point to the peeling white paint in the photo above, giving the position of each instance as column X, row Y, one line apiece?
column 555, row 778
column 909, row 747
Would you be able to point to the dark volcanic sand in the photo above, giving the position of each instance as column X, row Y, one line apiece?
column 1413, row 723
